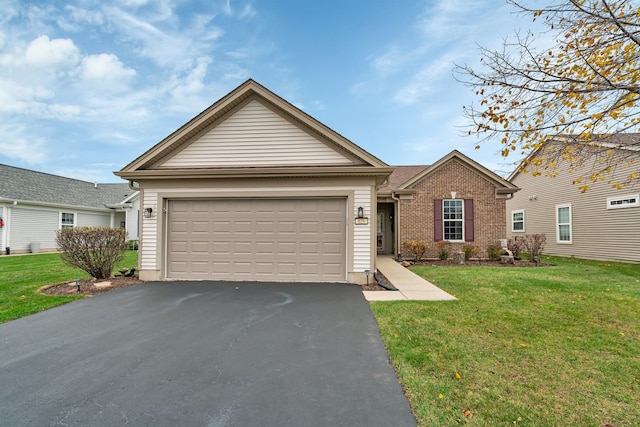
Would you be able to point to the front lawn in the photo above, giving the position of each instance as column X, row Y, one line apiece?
column 22, row 276
column 546, row 346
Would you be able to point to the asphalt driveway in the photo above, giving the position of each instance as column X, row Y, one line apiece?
column 202, row 354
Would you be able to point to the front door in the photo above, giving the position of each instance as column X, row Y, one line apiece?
column 384, row 228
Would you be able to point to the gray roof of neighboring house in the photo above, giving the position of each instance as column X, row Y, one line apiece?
column 23, row 184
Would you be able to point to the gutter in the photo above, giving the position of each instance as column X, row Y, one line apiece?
column 52, row 205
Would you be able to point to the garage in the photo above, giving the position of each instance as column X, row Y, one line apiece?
column 301, row 239
column 253, row 188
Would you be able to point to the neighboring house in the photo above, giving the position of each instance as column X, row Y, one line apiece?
column 34, row 205
column 601, row 223
column 253, row 188
column 455, row 199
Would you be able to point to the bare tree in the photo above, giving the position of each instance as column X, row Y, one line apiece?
column 582, row 90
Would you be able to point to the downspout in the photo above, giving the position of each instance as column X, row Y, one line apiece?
column 132, row 187
column 396, row 224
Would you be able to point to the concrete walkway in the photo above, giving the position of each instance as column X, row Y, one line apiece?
column 410, row 285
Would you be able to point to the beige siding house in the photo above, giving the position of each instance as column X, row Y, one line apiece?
column 602, row 223
column 255, row 189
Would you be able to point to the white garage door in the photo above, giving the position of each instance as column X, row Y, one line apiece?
column 257, row 239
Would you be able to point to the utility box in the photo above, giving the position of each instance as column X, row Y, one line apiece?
column 35, row 247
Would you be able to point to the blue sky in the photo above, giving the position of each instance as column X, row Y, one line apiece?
column 86, row 86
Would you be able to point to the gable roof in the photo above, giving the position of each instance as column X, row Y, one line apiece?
column 502, row 186
column 399, row 176
column 32, row 186
column 619, row 141
column 146, row 165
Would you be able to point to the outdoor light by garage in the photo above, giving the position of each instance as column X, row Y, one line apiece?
column 360, row 218
column 148, row 212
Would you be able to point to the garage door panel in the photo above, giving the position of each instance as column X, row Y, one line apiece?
column 272, row 239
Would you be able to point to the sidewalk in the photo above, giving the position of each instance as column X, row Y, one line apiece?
column 410, row 285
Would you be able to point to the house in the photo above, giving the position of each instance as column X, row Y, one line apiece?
column 456, row 199
column 601, row 223
column 34, row 205
column 253, row 188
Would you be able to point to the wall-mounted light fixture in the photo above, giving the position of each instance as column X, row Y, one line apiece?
column 148, row 212
column 360, row 212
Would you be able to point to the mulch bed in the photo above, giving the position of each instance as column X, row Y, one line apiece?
column 482, row 263
column 88, row 287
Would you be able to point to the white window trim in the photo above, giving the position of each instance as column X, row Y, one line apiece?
column 625, row 197
column 445, row 220
column 75, row 218
column 513, row 221
column 564, row 242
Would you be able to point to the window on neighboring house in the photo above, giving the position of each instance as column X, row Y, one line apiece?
column 517, row 220
column 67, row 220
column 627, row 201
column 563, row 221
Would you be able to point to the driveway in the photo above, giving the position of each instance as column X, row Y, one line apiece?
column 202, row 354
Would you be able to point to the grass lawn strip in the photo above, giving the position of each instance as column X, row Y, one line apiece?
column 530, row 346
column 22, row 276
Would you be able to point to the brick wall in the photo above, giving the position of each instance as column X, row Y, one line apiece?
column 416, row 215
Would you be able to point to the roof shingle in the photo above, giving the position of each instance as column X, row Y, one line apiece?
column 23, row 184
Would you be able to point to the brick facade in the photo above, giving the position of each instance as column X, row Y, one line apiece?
column 417, row 214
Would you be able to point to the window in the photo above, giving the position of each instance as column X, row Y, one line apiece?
column 453, row 220
column 517, row 220
column 563, row 221
column 628, row 201
column 67, row 220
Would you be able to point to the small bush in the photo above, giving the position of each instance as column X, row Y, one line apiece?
column 95, row 250
column 133, row 244
column 516, row 245
column 418, row 248
column 494, row 252
column 470, row 251
column 444, row 248
column 534, row 244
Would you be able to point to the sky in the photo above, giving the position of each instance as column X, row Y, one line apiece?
column 86, row 86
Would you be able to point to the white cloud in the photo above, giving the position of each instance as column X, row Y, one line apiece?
column 431, row 75
column 43, row 52
column 17, row 144
column 105, row 69
column 188, row 91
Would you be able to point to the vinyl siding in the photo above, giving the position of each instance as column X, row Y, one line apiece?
column 359, row 243
column 33, row 225
column 149, row 234
column 361, row 233
column 597, row 232
column 92, row 219
column 255, row 136
column 133, row 219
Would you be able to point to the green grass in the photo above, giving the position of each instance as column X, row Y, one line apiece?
column 540, row 346
column 22, row 276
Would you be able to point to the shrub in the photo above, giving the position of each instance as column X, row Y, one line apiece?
column 516, row 245
column 417, row 247
column 534, row 244
column 494, row 252
column 470, row 251
column 443, row 248
column 95, row 250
